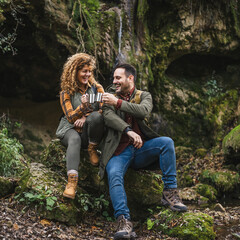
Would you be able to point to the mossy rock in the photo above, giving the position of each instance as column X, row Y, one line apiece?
column 144, row 190
column 193, row 195
column 207, row 191
column 43, row 188
column 194, row 226
column 7, row 186
column 224, row 181
column 185, row 226
column 231, row 146
column 183, row 152
column 142, row 187
column 54, row 157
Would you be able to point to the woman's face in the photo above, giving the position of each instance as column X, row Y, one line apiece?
column 84, row 74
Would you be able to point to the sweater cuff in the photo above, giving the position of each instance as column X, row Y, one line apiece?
column 119, row 104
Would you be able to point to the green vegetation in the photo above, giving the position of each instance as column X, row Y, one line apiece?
column 231, row 142
column 223, row 181
column 94, row 204
column 42, row 197
column 11, row 159
column 207, row 191
column 182, row 225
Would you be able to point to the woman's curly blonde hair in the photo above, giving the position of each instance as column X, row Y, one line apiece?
column 69, row 81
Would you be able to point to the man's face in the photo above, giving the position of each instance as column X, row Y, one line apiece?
column 121, row 81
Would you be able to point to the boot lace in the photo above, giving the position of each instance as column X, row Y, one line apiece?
column 72, row 181
column 123, row 225
column 173, row 196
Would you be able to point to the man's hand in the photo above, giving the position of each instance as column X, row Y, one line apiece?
column 79, row 122
column 137, row 140
column 110, row 99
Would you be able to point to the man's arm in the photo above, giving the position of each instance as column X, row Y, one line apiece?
column 140, row 111
column 112, row 120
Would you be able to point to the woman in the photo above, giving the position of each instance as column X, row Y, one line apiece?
column 82, row 124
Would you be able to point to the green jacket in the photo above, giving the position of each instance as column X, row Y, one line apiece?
column 64, row 124
column 114, row 121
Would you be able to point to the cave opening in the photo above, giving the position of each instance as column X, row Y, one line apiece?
column 203, row 68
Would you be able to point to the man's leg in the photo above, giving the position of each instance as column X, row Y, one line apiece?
column 161, row 149
column 116, row 169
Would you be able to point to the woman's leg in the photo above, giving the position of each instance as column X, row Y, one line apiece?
column 93, row 129
column 92, row 135
column 72, row 141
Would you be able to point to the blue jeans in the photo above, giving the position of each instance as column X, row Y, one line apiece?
column 159, row 149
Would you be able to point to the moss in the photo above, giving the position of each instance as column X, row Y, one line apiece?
column 64, row 212
column 224, row 182
column 185, row 180
column 142, row 9
column 201, row 152
column 22, row 184
column 220, row 113
column 142, row 185
column 207, row 191
column 195, row 226
column 235, row 8
column 185, row 225
column 231, row 143
column 53, row 157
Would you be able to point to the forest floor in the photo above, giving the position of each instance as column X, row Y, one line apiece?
column 18, row 222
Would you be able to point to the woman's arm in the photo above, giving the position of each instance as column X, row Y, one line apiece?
column 71, row 114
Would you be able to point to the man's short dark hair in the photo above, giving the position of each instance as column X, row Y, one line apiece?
column 129, row 70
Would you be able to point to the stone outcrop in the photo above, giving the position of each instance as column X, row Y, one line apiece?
column 231, row 146
column 187, row 56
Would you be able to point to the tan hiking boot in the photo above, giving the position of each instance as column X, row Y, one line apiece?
column 93, row 156
column 124, row 229
column 71, row 187
column 171, row 198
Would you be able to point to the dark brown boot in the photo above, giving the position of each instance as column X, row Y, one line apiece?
column 93, row 156
column 71, row 187
column 124, row 229
column 171, row 198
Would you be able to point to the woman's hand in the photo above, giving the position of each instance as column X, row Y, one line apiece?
column 84, row 99
column 79, row 122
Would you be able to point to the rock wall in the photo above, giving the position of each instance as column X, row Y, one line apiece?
column 186, row 54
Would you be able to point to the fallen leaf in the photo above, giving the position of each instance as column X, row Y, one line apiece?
column 45, row 222
column 15, row 226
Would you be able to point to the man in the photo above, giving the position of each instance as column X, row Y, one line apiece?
column 129, row 142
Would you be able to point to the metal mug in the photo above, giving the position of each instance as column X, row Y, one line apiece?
column 98, row 97
column 91, row 98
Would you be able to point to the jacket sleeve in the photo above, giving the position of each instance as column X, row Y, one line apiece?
column 112, row 120
column 71, row 114
column 141, row 110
